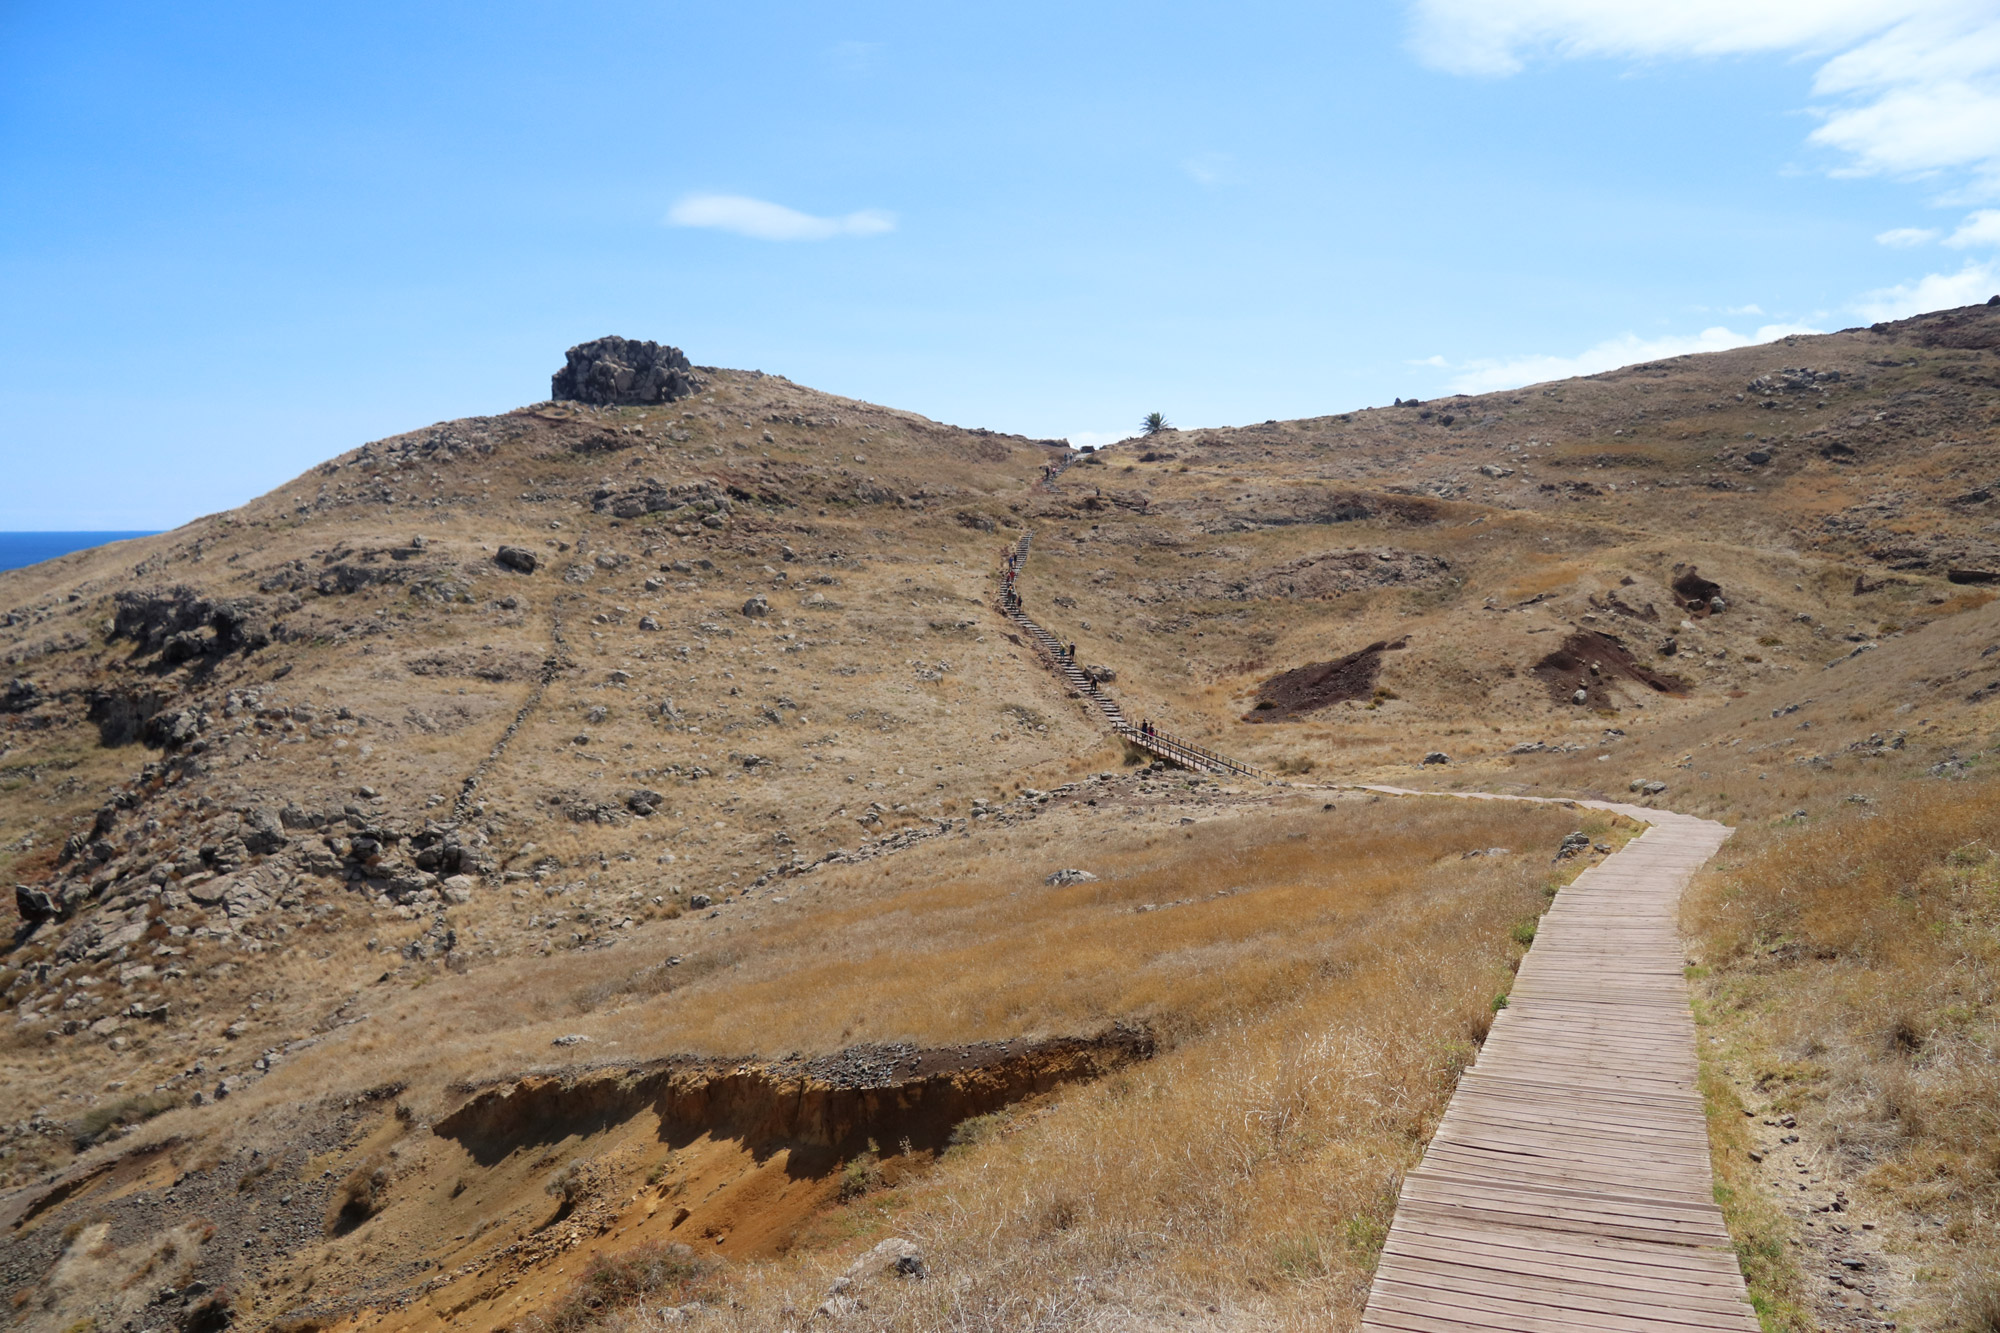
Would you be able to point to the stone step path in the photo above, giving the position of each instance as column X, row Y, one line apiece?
column 1052, row 471
column 1055, row 655
column 1568, row 1185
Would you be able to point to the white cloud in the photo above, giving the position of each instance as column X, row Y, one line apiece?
column 773, row 222
column 1910, row 87
column 855, row 59
column 1936, row 291
column 1903, row 238
column 1751, row 309
column 1208, row 168
column 1486, row 376
column 1982, row 228
column 1428, row 361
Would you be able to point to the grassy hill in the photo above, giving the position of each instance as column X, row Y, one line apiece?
column 518, row 848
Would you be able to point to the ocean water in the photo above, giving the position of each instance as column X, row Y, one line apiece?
column 31, row 548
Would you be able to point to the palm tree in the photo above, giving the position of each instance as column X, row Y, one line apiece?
column 1154, row 423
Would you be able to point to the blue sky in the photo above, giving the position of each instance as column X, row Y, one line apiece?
column 237, row 239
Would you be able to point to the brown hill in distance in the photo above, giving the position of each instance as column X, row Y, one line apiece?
column 655, row 787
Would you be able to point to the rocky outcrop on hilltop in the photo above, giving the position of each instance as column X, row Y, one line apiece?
column 618, row 371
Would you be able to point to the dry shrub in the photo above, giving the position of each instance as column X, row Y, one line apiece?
column 1864, row 954
column 662, row 1274
column 136, row 1109
column 359, row 1197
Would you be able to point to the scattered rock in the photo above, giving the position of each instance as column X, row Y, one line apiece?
column 1647, row 787
column 572, row 1039
column 757, row 606
column 1437, row 757
column 518, row 558
column 701, row 900
column 1573, row 844
column 1069, row 876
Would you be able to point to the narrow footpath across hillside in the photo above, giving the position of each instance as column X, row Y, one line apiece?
column 1568, row 1185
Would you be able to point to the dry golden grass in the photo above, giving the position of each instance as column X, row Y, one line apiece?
column 1859, row 962
column 960, row 940
column 1249, row 1173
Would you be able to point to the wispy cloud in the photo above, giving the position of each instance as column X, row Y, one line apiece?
column 855, row 59
column 1936, row 291
column 1904, row 238
column 1982, row 228
column 1752, row 309
column 1427, row 361
column 1906, row 87
column 1487, row 376
column 773, row 222
column 1208, row 168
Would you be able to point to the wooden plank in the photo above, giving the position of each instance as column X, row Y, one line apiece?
column 1568, row 1185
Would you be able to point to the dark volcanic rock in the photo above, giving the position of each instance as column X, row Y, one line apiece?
column 1318, row 684
column 618, row 371
column 33, row 904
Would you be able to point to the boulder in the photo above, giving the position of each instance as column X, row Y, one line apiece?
column 34, row 905
column 263, row 832
column 757, row 606
column 208, row 892
column 895, row 1256
column 1069, row 876
column 621, row 371
column 19, row 696
column 1437, row 757
column 518, row 558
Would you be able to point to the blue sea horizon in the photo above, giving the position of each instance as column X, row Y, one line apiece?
column 20, row 549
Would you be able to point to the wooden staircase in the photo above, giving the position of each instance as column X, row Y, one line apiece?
column 1054, row 655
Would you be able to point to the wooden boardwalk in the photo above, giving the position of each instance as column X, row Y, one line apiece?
column 1568, row 1185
